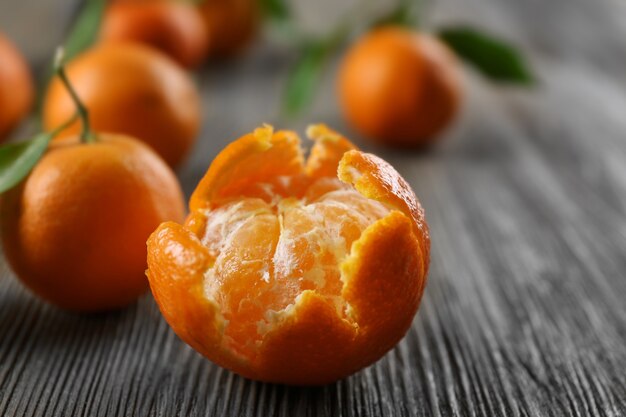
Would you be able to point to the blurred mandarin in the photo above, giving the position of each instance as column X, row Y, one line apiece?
column 17, row 91
column 232, row 24
column 173, row 27
column 399, row 87
column 134, row 90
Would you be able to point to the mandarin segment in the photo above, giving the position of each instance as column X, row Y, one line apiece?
column 304, row 278
column 244, row 263
column 265, row 256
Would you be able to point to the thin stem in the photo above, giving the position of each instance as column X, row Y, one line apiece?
column 86, row 135
column 65, row 125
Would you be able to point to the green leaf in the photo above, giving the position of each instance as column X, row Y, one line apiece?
column 304, row 77
column 276, row 10
column 82, row 35
column 405, row 14
column 493, row 57
column 85, row 30
column 18, row 159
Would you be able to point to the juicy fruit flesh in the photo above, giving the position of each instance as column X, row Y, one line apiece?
column 278, row 241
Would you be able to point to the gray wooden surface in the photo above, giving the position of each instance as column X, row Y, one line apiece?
column 525, row 310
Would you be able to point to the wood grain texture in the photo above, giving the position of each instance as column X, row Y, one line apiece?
column 525, row 310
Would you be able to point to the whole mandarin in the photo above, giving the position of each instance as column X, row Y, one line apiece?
column 231, row 25
column 173, row 27
column 74, row 231
column 399, row 87
column 17, row 89
column 290, row 270
column 130, row 89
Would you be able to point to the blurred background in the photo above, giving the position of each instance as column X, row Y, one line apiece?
column 575, row 48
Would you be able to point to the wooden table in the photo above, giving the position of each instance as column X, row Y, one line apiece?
column 525, row 310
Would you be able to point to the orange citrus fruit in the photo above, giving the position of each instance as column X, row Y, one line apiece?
column 173, row 27
column 231, row 24
column 17, row 89
column 399, row 87
column 75, row 229
column 293, row 271
column 130, row 89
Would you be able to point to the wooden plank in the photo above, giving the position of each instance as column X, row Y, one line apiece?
column 524, row 313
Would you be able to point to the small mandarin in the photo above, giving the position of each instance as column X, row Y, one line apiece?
column 175, row 28
column 290, row 270
column 74, row 230
column 231, row 24
column 17, row 89
column 399, row 87
column 134, row 90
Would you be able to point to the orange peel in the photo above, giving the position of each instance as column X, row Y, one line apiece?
column 293, row 270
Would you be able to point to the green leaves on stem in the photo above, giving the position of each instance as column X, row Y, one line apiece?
column 276, row 10
column 86, row 135
column 85, row 30
column 83, row 34
column 494, row 58
column 405, row 14
column 304, row 76
column 18, row 159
